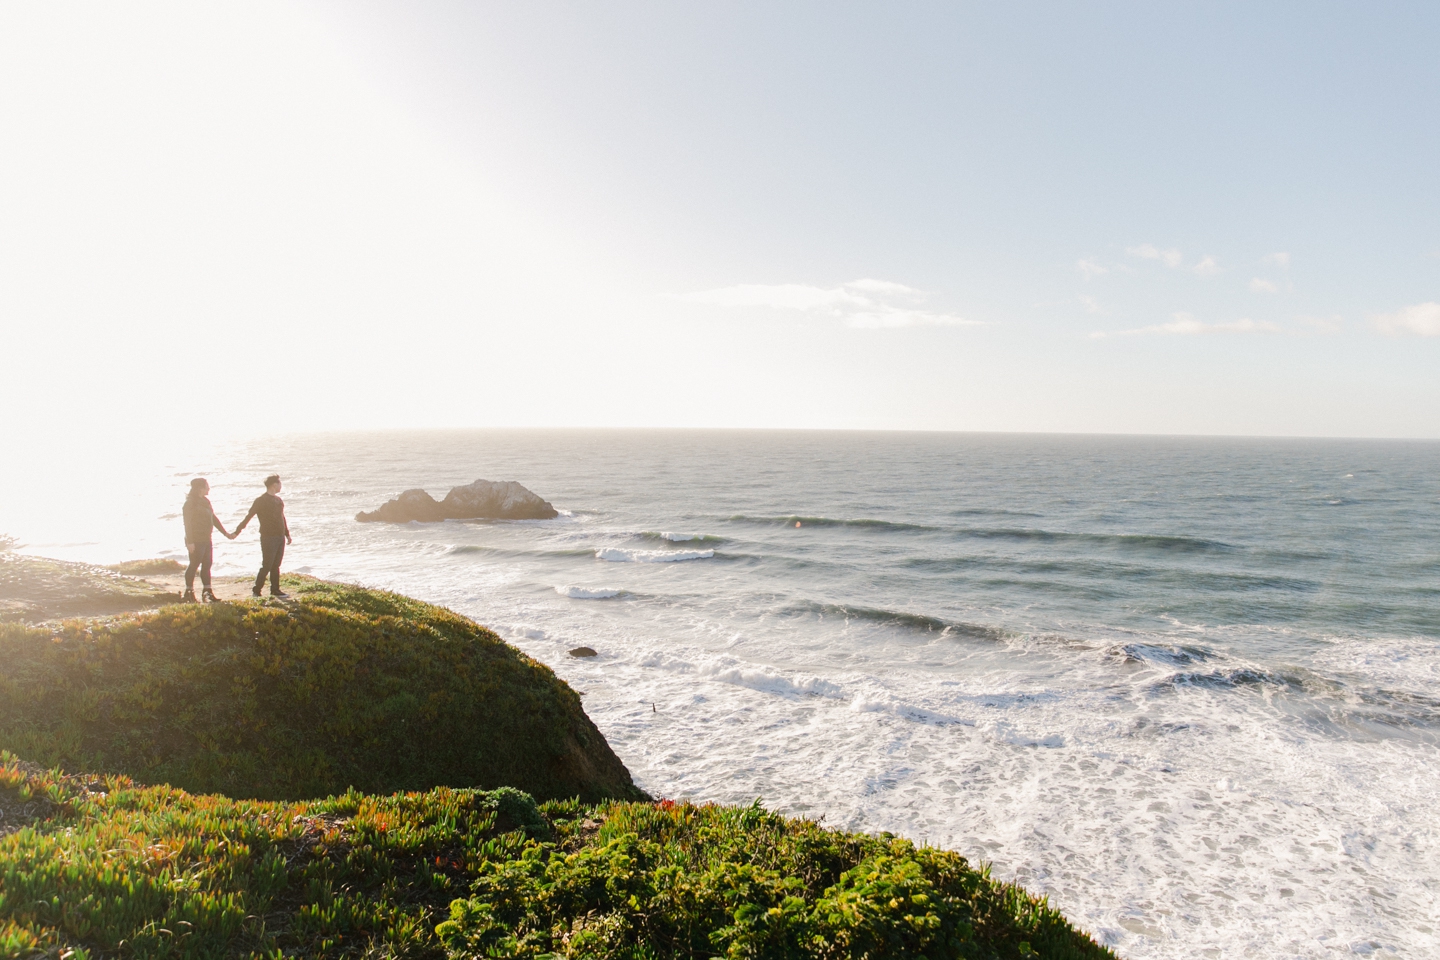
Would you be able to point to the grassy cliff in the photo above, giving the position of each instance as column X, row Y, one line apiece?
column 343, row 687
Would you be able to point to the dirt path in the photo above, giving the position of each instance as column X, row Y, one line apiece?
column 226, row 588
column 36, row 589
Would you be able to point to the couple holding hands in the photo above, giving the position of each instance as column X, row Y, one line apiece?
column 200, row 519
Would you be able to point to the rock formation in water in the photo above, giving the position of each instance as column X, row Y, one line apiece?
column 481, row 500
column 410, row 505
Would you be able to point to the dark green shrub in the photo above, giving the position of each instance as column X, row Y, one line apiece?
column 147, row 568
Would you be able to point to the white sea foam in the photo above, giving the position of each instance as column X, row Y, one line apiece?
column 1186, row 825
column 588, row 593
column 682, row 537
column 906, row 711
column 768, row 681
column 622, row 555
column 740, row 674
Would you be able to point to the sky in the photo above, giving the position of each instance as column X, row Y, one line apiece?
column 1111, row 217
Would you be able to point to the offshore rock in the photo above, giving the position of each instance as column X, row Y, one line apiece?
column 496, row 500
column 481, row 500
column 410, row 505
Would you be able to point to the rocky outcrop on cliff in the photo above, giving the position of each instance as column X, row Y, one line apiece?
column 481, row 500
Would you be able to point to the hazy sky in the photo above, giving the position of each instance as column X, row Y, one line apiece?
column 1202, row 218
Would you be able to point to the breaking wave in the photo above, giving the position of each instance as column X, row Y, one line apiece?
column 909, row 621
column 683, row 537
column 621, row 555
column 588, row 593
column 862, row 523
column 751, row 677
column 1174, row 656
column 1133, row 541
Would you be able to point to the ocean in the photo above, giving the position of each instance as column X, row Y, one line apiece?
column 1189, row 688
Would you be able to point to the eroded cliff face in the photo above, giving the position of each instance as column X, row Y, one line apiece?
column 481, row 500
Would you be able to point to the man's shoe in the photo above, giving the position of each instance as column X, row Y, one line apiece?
column 255, row 591
column 189, row 597
column 281, row 594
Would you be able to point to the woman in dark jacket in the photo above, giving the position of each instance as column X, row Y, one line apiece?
column 200, row 519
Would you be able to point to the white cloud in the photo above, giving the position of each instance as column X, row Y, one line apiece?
column 884, row 287
column 1186, row 325
column 1262, row 286
column 1148, row 251
column 1090, row 305
column 1421, row 320
column 1330, row 324
column 886, row 316
column 865, row 303
column 1091, row 268
column 1207, row 266
column 1281, row 260
column 779, row 296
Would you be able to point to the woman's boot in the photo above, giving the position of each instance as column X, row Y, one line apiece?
column 189, row 596
column 208, row 596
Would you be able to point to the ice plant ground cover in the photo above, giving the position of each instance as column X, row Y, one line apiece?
column 96, row 866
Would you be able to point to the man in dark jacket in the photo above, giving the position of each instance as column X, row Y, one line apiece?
column 200, row 520
column 274, row 534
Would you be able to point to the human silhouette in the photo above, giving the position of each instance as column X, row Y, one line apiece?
column 274, row 534
column 200, row 520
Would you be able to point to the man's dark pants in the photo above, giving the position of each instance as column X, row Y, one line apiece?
column 272, row 551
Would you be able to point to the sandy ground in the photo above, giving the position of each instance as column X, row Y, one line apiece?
column 226, row 588
column 33, row 589
column 37, row 589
